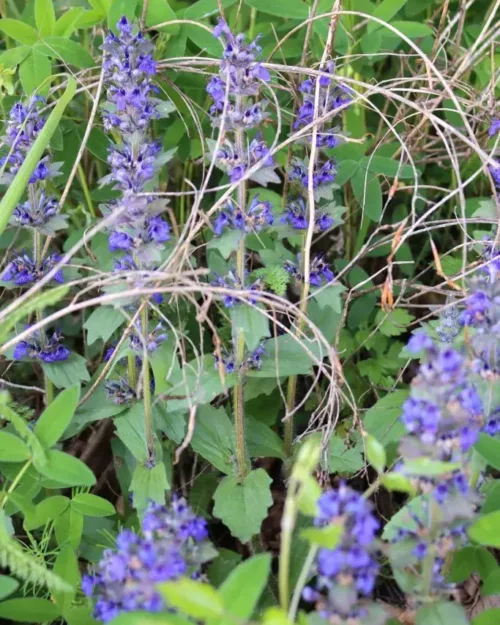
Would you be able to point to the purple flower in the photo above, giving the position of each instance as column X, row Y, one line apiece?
column 44, row 215
column 296, row 215
column 322, row 174
column 49, row 351
column 119, row 393
column 22, row 271
column 494, row 127
column 153, row 340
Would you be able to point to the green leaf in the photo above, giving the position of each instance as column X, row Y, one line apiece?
column 68, row 21
column 396, row 481
column 488, row 617
column 38, row 302
column 67, row 470
column 66, row 566
column 146, row 618
column 160, row 11
column 489, row 449
column 205, row 8
column 385, row 11
column 19, row 31
column 243, row 506
column 342, row 459
column 29, row 610
column 102, row 322
column 382, row 419
column 485, row 530
column 12, row 448
column 56, row 417
column 213, row 437
column 469, row 560
column 242, row 589
column 34, row 72
column 442, row 613
column 393, row 323
column 387, row 166
column 294, row 9
column 118, row 8
column 69, row 528
column 427, row 467
column 251, row 322
column 47, row 510
column 329, row 297
column 65, row 50
column 7, row 586
column 92, row 505
column 195, row 599
column 370, row 42
column 45, row 17
column 149, row 484
column 14, row 56
column 491, row 585
column 227, row 243
column 130, row 429
column 262, row 441
column 68, row 373
column 327, row 537
column 287, row 356
column 412, row 30
column 368, row 193
column 375, row 453
column 18, row 186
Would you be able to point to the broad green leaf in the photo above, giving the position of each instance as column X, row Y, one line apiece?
column 146, row 618
column 469, row 560
column 385, row 11
column 213, row 437
column 488, row 617
column 294, row 9
column 412, row 30
column 227, row 243
column 82, row 615
column 442, row 613
column 7, row 586
column 195, row 599
column 485, row 530
column 92, row 505
column 370, row 42
column 242, row 589
column 489, row 449
column 12, row 448
column 375, row 453
column 47, row 510
column 205, row 8
column 18, row 186
column 67, row 470
column 66, row 566
column 118, row 8
column 393, row 323
column 387, row 166
column 287, row 356
column 222, row 566
column 33, row 72
column 342, row 459
column 243, row 506
column 405, row 518
column 492, row 498
column 250, row 321
column 68, row 373
column 29, row 610
column 327, row 537
column 56, row 417
column 491, row 585
column 165, row 364
column 102, row 322
column 38, row 302
column 368, row 193
column 262, row 441
column 14, row 56
column 382, row 420
column 130, row 429
column 66, row 50
column 160, row 11
column 396, row 481
column 149, row 483
column 426, row 466
column 45, row 17
column 329, row 297
column 97, row 143
column 275, row 616
column 19, row 31
column 68, row 21
column 69, row 528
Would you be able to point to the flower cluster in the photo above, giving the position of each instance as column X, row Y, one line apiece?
column 129, row 69
column 22, row 270
column 236, row 163
column 331, row 97
column 296, row 215
column 153, row 340
column 347, row 573
column 257, row 215
column 449, row 323
column 120, row 392
column 494, row 127
column 320, row 272
column 231, row 281
column 48, row 350
column 482, row 313
column 252, row 361
column 322, row 174
column 172, row 542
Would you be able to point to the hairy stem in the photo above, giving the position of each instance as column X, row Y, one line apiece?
column 146, row 388
column 132, row 371
column 238, row 391
column 86, row 191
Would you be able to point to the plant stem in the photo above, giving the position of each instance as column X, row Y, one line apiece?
column 428, row 564
column 287, row 527
column 86, row 192
column 37, row 257
column 238, row 390
column 132, row 371
column 15, row 483
column 146, row 388
column 301, row 582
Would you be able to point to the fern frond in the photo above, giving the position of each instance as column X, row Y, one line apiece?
column 27, row 568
